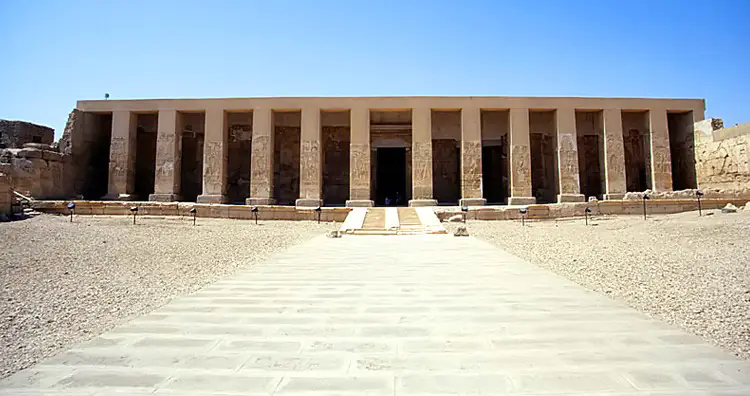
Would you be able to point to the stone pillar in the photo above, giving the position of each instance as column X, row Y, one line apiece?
column 471, row 158
column 567, row 157
column 421, row 157
column 614, row 155
column 520, row 159
column 310, row 160
column 215, row 157
column 168, row 157
column 122, row 156
column 261, row 162
column 661, row 157
column 359, row 160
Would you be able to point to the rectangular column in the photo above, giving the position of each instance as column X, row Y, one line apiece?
column 421, row 157
column 471, row 158
column 168, row 157
column 614, row 155
column 310, row 160
column 661, row 157
column 359, row 158
column 567, row 157
column 215, row 157
column 520, row 159
column 121, row 185
column 261, row 161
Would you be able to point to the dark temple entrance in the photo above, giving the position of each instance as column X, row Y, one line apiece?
column 390, row 176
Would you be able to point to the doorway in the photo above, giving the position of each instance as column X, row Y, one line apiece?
column 390, row 176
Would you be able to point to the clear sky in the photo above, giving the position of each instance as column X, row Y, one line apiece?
column 55, row 52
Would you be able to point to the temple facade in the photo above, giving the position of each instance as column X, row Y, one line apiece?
column 365, row 151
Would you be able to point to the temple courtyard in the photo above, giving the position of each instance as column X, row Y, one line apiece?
column 623, row 306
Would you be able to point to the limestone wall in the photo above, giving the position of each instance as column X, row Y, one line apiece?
column 722, row 155
column 13, row 134
column 37, row 172
column 6, row 196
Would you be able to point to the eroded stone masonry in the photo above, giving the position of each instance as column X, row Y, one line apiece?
column 365, row 151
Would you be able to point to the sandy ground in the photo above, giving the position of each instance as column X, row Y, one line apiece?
column 687, row 270
column 62, row 283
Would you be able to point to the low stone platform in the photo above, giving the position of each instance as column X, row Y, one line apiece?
column 339, row 214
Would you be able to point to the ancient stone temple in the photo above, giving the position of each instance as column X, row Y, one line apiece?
column 365, row 151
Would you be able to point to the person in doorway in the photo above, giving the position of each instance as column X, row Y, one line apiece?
column 387, row 201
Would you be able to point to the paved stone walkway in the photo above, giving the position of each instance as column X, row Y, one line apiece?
column 375, row 315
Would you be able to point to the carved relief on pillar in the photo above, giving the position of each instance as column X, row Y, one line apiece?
column 122, row 156
column 661, row 158
column 168, row 157
column 213, row 168
column 310, row 169
column 260, row 175
column 471, row 169
column 520, row 166
column 359, row 172
column 614, row 154
column 568, row 164
column 422, row 170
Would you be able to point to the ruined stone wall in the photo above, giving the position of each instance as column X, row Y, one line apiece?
column 37, row 172
column 13, row 134
column 336, row 142
column 722, row 155
column 86, row 139
column 6, row 194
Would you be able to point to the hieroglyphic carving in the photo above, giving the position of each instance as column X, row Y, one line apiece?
column 360, row 171
column 614, row 152
column 122, row 154
column 471, row 169
column 520, row 168
column 167, row 179
column 568, row 164
column 310, row 172
column 261, row 162
column 661, row 163
column 422, row 170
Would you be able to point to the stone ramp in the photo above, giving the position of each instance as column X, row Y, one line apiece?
column 414, row 315
column 392, row 221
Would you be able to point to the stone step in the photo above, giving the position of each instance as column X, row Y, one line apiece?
column 374, row 219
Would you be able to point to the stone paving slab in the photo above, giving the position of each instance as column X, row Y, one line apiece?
column 373, row 315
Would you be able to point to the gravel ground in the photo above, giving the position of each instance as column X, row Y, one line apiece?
column 63, row 283
column 687, row 270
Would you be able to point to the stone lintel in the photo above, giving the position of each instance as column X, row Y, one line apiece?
column 164, row 197
column 211, row 198
column 260, row 201
column 613, row 197
column 521, row 201
column 472, row 202
column 359, row 203
column 308, row 203
column 571, row 198
column 423, row 202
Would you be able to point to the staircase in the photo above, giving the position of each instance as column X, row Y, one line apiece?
column 392, row 221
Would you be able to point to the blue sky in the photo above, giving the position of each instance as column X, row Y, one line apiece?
column 56, row 52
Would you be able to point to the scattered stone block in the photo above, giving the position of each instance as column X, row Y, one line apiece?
column 747, row 206
column 729, row 208
column 461, row 231
column 455, row 219
column 334, row 234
